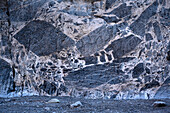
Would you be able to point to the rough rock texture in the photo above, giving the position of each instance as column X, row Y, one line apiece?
column 43, row 104
column 123, row 46
column 117, row 49
column 38, row 36
column 6, row 77
column 96, row 40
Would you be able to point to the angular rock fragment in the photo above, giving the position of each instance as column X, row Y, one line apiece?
column 109, row 57
column 138, row 27
column 147, row 70
column 102, row 57
column 90, row 60
column 157, row 31
column 7, row 84
column 123, row 46
column 138, row 70
column 25, row 13
column 148, row 37
column 51, row 4
column 111, row 19
column 122, row 11
column 43, row 38
column 96, row 40
column 109, row 3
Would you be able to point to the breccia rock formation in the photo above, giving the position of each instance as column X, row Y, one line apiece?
column 113, row 49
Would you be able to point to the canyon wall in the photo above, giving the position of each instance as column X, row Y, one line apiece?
column 112, row 49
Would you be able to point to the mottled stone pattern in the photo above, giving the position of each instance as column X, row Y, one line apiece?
column 38, row 36
column 96, row 40
column 123, row 46
column 6, row 77
column 117, row 49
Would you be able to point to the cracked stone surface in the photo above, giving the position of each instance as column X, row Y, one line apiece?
column 98, row 49
column 43, row 38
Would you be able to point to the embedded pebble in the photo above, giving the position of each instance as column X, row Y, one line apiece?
column 47, row 108
column 159, row 104
column 54, row 100
column 76, row 104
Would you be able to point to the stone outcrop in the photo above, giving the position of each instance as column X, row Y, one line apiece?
column 85, row 48
column 38, row 36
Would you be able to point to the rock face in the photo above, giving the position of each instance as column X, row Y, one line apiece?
column 96, row 40
column 91, row 49
column 138, row 26
column 97, row 75
column 122, row 11
column 43, row 38
column 123, row 46
column 6, row 77
column 26, row 13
